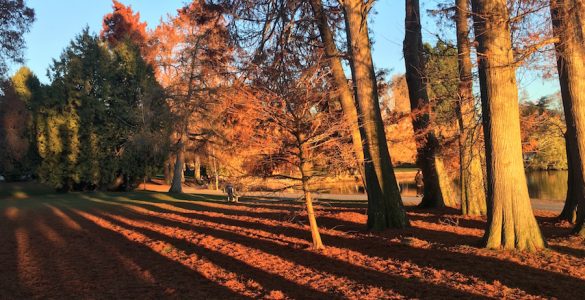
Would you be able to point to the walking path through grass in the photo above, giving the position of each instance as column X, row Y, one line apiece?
column 537, row 204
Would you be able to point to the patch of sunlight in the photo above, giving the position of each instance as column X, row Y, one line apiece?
column 64, row 218
column 163, row 248
column 166, row 206
column 19, row 195
column 98, row 200
column 167, row 197
column 114, row 203
column 137, row 231
column 12, row 213
column 27, row 263
column 50, row 234
column 194, row 198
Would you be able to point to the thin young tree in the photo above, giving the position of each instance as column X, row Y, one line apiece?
column 470, row 170
column 511, row 223
column 385, row 208
column 437, row 191
column 278, row 29
column 569, row 26
column 304, row 131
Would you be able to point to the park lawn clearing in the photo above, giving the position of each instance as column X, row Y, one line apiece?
column 154, row 245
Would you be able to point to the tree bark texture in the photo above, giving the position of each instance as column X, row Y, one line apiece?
column 511, row 222
column 340, row 82
column 437, row 191
column 197, row 171
column 471, row 183
column 215, row 171
column 305, row 170
column 569, row 212
column 568, row 18
column 385, row 208
column 168, row 170
column 176, row 185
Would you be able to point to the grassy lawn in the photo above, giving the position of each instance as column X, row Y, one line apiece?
column 157, row 245
column 23, row 190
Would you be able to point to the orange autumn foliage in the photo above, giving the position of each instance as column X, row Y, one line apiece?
column 122, row 25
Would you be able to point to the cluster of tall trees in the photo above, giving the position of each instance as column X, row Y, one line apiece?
column 511, row 223
column 101, row 123
column 261, row 89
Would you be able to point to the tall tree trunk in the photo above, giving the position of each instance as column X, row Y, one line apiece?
column 305, row 169
column 176, row 185
column 168, row 170
column 470, row 171
column 437, row 191
column 197, row 171
column 341, row 84
column 385, row 209
column 511, row 223
column 569, row 212
column 568, row 18
column 215, row 166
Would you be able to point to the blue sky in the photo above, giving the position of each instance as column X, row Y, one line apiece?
column 58, row 21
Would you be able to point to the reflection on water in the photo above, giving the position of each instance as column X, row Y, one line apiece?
column 546, row 185
column 352, row 188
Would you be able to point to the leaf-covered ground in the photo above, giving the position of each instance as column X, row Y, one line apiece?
column 153, row 245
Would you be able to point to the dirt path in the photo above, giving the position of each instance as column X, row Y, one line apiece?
column 537, row 204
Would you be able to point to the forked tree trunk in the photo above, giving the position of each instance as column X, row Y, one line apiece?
column 568, row 18
column 511, row 223
column 176, row 185
column 437, row 187
column 385, row 209
column 470, row 171
column 340, row 82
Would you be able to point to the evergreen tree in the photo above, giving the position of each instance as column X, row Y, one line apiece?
column 102, row 111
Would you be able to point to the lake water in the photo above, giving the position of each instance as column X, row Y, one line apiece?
column 545, row 185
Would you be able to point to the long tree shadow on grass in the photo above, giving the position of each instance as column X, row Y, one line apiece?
column 195, row 202
column 270, row 281
column 197, row 211
column 34, row 272
column 578, row 253
column 92, row 262
column 536, row 281
column 105, row 267
column 409, row 287
column 266, row 279
column 10, row 283
column 204, row 203
column 433, row 215
column 284, row 210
